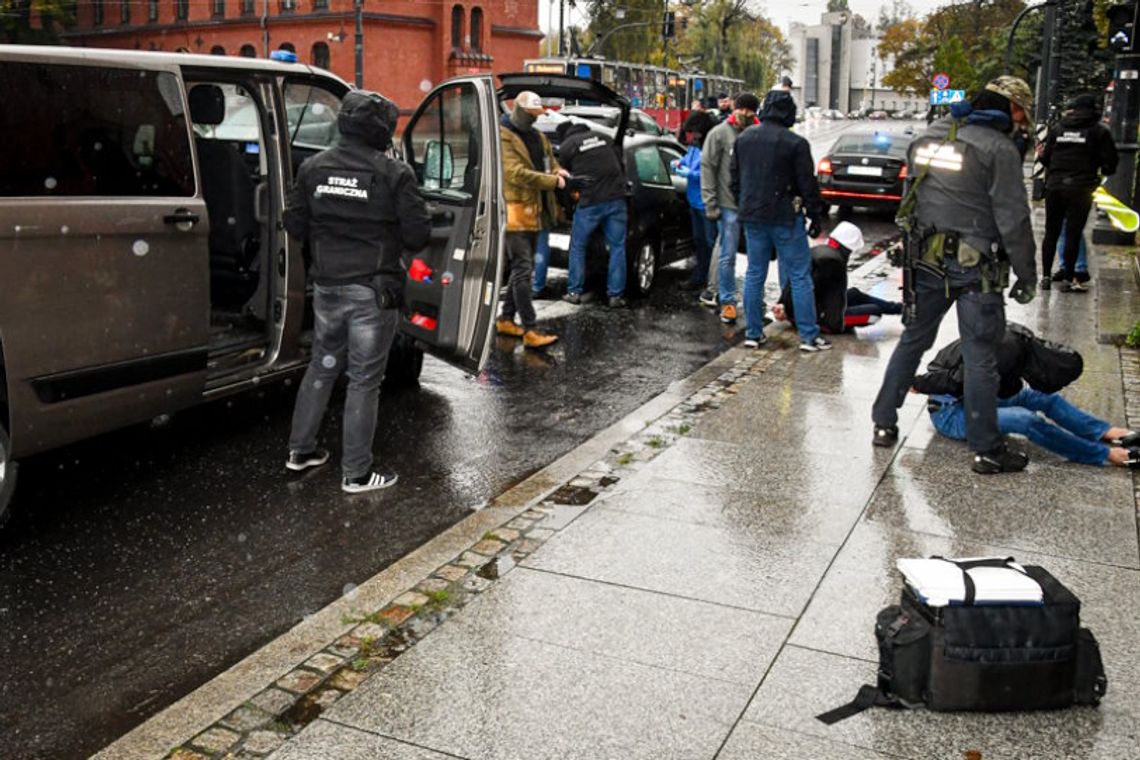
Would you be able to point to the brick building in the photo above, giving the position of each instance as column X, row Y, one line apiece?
column 409, row 45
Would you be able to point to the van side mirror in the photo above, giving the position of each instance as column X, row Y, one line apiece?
column 439, row 166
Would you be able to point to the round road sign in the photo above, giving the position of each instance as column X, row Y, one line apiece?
column 941, row 81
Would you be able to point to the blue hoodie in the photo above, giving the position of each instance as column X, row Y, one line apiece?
column 689, row 167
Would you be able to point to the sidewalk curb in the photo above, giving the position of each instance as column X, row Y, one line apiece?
column 230, row 690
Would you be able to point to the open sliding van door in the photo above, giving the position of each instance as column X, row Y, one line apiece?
column 452, row 294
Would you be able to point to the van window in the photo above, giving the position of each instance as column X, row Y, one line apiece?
column 445, row 144
column 311, row 113
column 92, row 131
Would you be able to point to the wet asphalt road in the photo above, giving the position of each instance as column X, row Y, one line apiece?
column 139, row 565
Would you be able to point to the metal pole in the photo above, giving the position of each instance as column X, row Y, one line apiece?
column 561, row 28
column 359, row 44
column 1013, row 31
column 265, row 29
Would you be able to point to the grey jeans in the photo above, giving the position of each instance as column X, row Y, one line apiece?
column 981, row 324
column 352, row 334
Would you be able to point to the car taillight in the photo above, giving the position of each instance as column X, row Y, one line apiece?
column 424, row 321
column 902, row 172
column 825, row 166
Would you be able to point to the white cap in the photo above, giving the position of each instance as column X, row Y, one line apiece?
column 529, row 101
column 848, row 235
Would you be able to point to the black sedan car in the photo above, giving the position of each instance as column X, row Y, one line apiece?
column 864, row 168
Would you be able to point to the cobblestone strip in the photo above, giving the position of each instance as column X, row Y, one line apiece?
column 283, row 708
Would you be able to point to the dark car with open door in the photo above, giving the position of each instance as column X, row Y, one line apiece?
column 659, row 232
column 143, row 261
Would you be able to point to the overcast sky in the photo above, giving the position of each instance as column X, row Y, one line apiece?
column 782, row 13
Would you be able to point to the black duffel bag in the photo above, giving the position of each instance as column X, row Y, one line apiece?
column 983, row 657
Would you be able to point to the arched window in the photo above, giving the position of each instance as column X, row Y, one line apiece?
column 248, row 51
column 457, row 27
column 217, row 50
column 477, row 29
column 320, row 55
column 287, row 46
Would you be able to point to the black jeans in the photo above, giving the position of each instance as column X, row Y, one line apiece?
column 1069, row 207
column 520, row 263
column 981, row 323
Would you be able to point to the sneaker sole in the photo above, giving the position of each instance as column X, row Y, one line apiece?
column 299, row 466
column 813, row 349
column 366, row 489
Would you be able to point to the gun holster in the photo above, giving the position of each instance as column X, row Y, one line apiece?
column 389, row 291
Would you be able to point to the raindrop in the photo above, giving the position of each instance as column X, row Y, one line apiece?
column 288, row 382
column 97, row 146
column 349, row 590
column 64, row 230
column 140, row 248
column 329, row 361
column 231, row 221
column 318, row 384
column 241, row 538
column 425, row 85
column 318, row 108
column 50, row 183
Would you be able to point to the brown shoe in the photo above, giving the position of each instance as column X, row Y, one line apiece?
column 728, row 313
column 535, row 339
column 509, row 327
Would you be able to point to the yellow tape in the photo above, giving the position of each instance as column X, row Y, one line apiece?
column 1122, row 217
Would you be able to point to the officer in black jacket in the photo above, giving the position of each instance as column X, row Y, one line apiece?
column 359, row 210
column 1073, row 152
column 773, row 176
column 592, row 159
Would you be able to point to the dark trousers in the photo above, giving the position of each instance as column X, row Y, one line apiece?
column 520, row 263
column 704, row 241
column 981, row 323
column 1068, row 207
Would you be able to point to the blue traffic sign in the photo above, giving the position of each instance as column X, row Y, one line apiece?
column 945, row 97
column 941, row 81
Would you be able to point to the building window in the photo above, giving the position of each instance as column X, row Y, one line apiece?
column 152, row 10
column 248, row 51
column 320, row 5
column 811, row 72
column 287, row 6
column 218, row 8
column 457, row 27
column 181, row 10
column 125, row 12
column 320, row 55
column 217, row 50
column 477, row 29
column 97, row 10
column 247, row 7
column 287, row 46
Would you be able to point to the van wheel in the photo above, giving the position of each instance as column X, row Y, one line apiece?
column 643, row 267
column 405, row 362
column 7, row 475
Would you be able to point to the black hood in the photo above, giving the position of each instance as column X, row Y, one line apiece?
column 779, row 107
column 368, row 117
column 1080, row 117
column 567, row 128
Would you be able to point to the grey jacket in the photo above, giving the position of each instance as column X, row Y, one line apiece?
column 976, row 187
column 716, row 168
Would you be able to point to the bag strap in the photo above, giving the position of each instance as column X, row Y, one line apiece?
column 868, row 697
column 971, row 589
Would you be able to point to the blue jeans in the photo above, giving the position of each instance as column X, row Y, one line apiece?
column 1064, row 429
column 541, row 260
column 351, row 334
column 1082, row 252
column 729, row 228
column 794, row 255
column 704, row 240
column 613, row 218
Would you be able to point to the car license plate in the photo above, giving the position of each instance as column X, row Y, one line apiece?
column 866, row 171
column 560, row 241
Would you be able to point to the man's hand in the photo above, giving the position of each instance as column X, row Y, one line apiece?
column 1021, row 292
column 562, row 172
column 561, row 182
column 579, row 182
column 712, row 214
column 815, row 228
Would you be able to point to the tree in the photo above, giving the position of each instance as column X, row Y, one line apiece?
column 33, row 21
column 897, row 11
column 836, row 6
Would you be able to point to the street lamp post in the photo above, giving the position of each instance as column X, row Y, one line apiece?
column 359, row 8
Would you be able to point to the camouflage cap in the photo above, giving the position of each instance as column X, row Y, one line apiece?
column 1016, row 90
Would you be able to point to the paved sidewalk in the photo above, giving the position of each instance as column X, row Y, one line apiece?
column 710, row 585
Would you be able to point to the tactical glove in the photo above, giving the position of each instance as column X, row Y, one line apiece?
column 1022, row 292
column 815, row 228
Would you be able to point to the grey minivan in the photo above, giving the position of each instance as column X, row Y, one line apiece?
column 143, row 264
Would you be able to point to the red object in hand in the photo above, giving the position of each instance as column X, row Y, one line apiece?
column 419, row 271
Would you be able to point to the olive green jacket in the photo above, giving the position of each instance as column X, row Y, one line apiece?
column 528, row 190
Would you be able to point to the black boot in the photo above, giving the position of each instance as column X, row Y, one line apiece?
column 1000, row 459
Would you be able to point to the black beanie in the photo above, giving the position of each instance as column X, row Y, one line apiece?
column 1083, row 102
column 747, row 100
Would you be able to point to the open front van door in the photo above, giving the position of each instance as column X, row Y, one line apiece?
column 452, row 293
